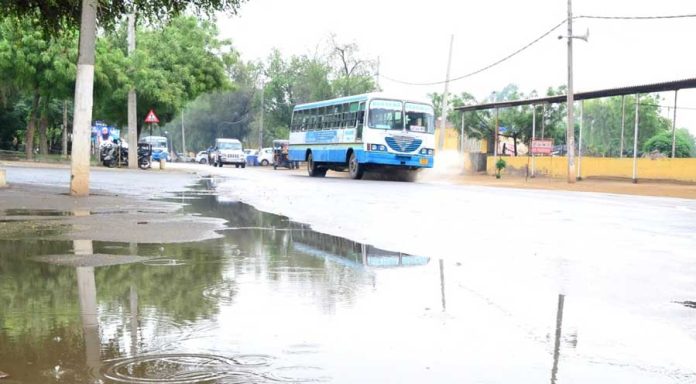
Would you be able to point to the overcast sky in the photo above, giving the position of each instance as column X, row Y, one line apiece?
column 411, row 39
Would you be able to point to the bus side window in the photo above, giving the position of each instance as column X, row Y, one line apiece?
column 360, row 123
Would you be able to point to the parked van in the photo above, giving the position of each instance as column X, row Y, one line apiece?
column 228, row 151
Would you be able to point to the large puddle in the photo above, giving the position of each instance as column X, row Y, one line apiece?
column 270, row 302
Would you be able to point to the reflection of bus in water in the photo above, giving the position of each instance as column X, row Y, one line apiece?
column 160, row 150
column 344, row 251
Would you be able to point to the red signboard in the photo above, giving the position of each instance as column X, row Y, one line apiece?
column 542, row 147
column 151, row 117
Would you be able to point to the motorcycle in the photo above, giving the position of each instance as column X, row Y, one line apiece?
column 144, row 155
column 116, row 153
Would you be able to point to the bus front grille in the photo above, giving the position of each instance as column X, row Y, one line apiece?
column 403, row 143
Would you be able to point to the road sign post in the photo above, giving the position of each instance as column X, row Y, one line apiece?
column 151, row 118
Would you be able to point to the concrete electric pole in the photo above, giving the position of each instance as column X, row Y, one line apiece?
column 132, row 100
column 84, row 87
column 443, row 122
column 570, row 132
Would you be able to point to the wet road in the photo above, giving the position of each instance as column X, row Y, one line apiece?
column 490, row 290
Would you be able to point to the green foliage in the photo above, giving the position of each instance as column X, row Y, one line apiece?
column 172, row 65
column 499, row 166
column 34, row 65
column 685, row 144
column 56, row 15
column 352, row 74
column 602, row 124
column 221, row 114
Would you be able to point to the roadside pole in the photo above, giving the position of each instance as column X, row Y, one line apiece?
column 570, row 131
column 531, row 147
column 84, row 87
column 674, row 125
column 443, row 123
column 132, row 103
column 635, row 143
column 582, row 118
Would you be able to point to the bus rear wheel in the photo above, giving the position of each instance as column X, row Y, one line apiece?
column 313, row 170
column 355, row 169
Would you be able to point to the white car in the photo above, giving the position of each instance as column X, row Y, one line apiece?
column 229, row 151
column 265, row 156
column 202, row 157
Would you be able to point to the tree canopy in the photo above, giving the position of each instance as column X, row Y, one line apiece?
column 56, row 15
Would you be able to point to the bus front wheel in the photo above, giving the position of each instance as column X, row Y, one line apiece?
column 355, row 169
column 313, row 169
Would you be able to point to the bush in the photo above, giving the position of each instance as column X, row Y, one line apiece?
column 499, row 166
column 662, row 142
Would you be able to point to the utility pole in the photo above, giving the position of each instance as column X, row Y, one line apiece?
column 570, row 131
column 377, row 75
column 623, row 122
column 84, row 87
column 674, row 125
column 64, row 150
column 443, row 125
column 183, row 133
column 263, row 90
column 132, row 99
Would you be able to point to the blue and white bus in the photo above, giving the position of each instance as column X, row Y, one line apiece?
column 364, row 132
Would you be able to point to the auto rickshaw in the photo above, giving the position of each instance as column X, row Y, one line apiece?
column 280, row 155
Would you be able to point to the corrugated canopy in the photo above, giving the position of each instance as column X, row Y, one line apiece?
column 632, row 90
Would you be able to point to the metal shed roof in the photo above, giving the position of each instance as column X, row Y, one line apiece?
column 631, row 90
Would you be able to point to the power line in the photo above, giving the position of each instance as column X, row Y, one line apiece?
column 486, row 67
column 685, row 16
column 515, row 53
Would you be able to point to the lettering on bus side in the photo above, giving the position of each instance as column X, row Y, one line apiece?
column 321, row 137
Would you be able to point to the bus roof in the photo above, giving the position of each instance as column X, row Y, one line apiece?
column 355, row 98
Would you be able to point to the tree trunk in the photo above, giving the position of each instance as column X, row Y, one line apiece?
column 84, row 86
column 64, row 137
column 43, row 131
column 514, row 143
column 31, row 127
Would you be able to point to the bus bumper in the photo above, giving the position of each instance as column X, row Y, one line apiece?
column 386, row 158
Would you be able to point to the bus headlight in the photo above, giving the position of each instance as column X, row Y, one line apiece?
column 376, row 147
column 427, row 151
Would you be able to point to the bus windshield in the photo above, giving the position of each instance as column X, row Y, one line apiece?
column 420, row 117
column 386, row 114
column 228, row 145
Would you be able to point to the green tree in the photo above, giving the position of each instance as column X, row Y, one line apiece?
column 38, row 64
column 60, row 13
column 602, row 124
column 685, row 144
column 352, row 73
column 174, row 64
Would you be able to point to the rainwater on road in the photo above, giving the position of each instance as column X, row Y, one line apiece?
column 273, row 301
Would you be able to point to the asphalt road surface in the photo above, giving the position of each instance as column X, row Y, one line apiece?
column 598, row 287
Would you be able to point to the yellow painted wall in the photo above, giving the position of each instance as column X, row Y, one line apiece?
column 451, row 139
column 657, row 169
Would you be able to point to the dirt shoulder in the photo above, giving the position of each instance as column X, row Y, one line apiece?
column 623, row 187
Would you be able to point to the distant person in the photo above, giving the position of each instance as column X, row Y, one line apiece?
column 104, row 137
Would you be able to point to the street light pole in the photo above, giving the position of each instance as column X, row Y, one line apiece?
column 443, row 125
column 263, row 90
column 132, row 102
column 570, row 131
column 183, row 133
